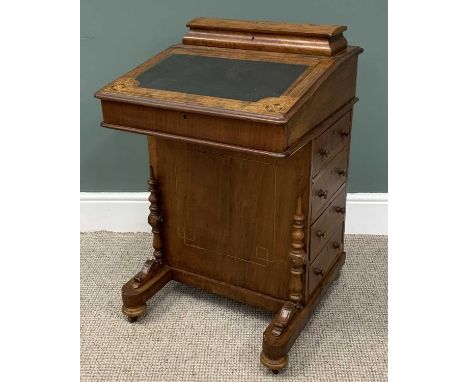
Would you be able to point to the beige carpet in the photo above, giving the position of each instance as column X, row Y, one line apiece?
column 190, row 335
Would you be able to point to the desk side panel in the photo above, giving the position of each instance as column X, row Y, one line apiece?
column 338, row 89
column 228, row 216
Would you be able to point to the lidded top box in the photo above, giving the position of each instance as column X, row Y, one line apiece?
column 245, row 85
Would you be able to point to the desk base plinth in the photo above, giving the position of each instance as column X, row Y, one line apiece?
column 275, row 349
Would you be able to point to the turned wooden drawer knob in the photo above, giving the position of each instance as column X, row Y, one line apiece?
column 340, row 210
column 344, row 133
column 336, row 245
column 323, row 193
column 318, row 271
column 341, row 172
column 322, row 234
column 324, row 152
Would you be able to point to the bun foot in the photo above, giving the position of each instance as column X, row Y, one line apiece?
column 274, row 365
column 134, row 312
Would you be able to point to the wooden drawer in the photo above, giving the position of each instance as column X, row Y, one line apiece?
column 330, row 142
column 330, row 220
column 325, row 260
column 327, row 182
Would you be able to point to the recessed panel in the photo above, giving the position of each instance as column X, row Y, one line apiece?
column 218, row 211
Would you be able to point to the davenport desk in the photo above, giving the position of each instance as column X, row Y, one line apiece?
column 249, row 127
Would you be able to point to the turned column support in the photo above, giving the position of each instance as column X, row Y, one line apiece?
column 154, row 274
column 155, row 218
column 155, row 221
column 297, row 256
column 273, row 356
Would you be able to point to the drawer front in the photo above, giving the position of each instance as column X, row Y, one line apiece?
column 328, row 182
column 330, row 142
column 325, row 260
column 330, row 221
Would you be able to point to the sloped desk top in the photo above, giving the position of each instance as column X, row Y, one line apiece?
column 251, row 75
column 243, row 80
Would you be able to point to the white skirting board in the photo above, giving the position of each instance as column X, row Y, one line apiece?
column 128, row 212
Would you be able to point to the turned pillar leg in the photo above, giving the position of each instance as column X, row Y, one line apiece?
column 273, row 357
column 154, row 274
column 287, row 325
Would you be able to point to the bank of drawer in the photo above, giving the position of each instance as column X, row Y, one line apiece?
column 328, row 182
column 330, row 142
column 325, row 260
column 330, row 220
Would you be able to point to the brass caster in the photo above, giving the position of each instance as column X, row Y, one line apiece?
column 275, row 365
column 134, row 312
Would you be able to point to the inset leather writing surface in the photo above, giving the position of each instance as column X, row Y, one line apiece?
column 221, row 77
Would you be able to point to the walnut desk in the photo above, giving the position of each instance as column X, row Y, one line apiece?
column 249, row 126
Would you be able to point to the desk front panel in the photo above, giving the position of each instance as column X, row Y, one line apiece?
column 228, row 216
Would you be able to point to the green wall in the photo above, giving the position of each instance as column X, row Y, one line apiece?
column 117, row 35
